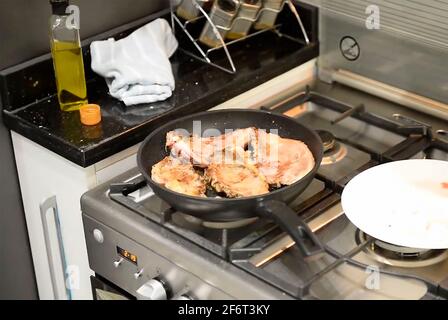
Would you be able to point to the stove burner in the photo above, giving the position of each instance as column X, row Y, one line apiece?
column 333, row 150
column 216, row 225
column 328, row 139
column 336, row 154
column 398, row 256
column 229, row 225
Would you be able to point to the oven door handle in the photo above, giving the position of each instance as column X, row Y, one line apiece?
column 45, row 207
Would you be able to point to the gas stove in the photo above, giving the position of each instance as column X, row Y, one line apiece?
column 139, row 247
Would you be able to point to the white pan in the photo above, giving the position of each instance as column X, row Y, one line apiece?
column 404, row 203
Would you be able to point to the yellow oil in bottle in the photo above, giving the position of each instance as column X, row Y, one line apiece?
column 70, row 78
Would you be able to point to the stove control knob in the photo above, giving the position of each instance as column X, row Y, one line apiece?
column 118, row 262
column 152, row 290
column 138, row 274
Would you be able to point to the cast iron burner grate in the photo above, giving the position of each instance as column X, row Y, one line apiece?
column 214, row 237
column 419, row 143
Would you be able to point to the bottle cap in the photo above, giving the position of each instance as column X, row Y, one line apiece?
column 59, row 6
column 90, row 114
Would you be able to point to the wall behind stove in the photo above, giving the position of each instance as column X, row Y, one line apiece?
column 24, row 23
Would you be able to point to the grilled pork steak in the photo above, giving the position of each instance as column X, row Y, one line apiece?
column 204, row 151
column 179, row 176
column 236, row 180
column 281, row 161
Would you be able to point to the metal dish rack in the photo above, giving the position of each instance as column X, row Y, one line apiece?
column 205, row 54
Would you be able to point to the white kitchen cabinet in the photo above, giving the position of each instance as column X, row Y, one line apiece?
column 46, row 177
column 48, row 180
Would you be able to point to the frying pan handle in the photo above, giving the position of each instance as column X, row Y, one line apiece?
column 287, row 219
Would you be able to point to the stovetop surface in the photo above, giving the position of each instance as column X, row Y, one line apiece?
column 349, row 269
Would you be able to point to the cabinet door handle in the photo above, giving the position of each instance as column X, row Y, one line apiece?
column 45, row 206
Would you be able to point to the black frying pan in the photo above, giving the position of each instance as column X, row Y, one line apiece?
column 272, row 205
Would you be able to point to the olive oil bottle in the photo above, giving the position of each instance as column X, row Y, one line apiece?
column 67, row 57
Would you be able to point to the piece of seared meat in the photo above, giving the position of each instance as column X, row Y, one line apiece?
column 236, row 180
column 203, row 151
column 281, row 161
column 240, row 163
column 179, row 176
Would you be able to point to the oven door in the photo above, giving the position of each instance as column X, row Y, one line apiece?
column 105, row 290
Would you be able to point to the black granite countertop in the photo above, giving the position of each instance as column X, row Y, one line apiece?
column 198, row 87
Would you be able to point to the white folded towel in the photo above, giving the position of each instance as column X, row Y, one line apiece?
column 137, row 68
